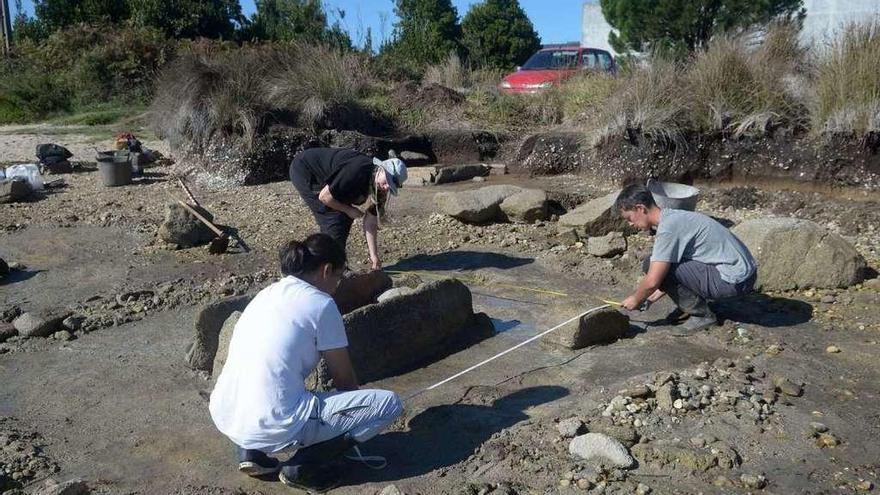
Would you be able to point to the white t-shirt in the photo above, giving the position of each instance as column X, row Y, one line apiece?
column 260, row 400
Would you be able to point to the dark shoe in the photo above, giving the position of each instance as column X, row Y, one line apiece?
column 676, row 316
column 256, row 463
column 694, row 324
column 309, row 478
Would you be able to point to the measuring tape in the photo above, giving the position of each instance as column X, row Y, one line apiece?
column 480, row 282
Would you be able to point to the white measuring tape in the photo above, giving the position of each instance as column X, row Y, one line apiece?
column 517, row 346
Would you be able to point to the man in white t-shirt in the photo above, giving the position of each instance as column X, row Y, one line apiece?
column 260, row 401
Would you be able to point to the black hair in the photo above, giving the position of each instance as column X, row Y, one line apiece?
column 632, row 195
column 298, row 258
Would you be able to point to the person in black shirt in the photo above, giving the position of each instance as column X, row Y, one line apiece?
column 332, row 180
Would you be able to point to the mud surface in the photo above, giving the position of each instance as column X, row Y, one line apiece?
column 116, row 405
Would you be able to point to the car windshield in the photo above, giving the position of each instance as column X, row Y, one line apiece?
column 551, row 59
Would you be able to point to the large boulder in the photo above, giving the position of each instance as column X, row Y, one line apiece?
column 14, row 190
column 477, row 205
column 458, row 173
column 359, row 289
column 182, row 227
column 39, row 323
column 793, row 253
column 599, row 327
column 200, row 353
column 528, row 205
column 223, row 340
column 596, row 218
column 404, row 332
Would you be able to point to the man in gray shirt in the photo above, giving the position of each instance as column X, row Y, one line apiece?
column 695, row 260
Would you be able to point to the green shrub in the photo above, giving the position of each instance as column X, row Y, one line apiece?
column 27, row 95
column 514, row 111
column 585, row 95
column 451, row 73
column 848, row 83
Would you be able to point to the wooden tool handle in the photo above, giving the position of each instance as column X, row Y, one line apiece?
column 189, row 194
column 201, row 218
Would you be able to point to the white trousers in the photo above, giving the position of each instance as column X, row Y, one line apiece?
column 363, row 413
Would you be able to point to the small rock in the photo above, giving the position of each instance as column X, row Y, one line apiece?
column 38, row 323
column 599, row 447
column 828, row 299
column 665, row 397
column 825, row 440
column 564, row 482
column 70, row 487
column 62, row 335
column 639, row 392
column 832, row 349
column 678, row 404
column 698, row 442
column 788, row 387
column 774, row 350
column 606, row 246
column 864, row 486
column 583, row 484
column 643, row 489
column 391, row 490
column 722, row 482
column 817, row 427
column 753, row 481
column 73, row 323
column 570, row 428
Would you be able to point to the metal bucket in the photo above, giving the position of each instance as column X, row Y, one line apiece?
column 673, row 195
column 115, row 167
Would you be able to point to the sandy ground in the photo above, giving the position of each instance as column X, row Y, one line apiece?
column 118, row 408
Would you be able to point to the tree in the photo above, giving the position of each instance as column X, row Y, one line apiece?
column 189, row 18
column 685, row 25
column 426, row 31
column 301, row 20
column 53, row 15
column 498, row 33
column 368, row 43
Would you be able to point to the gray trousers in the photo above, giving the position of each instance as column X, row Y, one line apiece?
column 692, row 284
column 363, row 413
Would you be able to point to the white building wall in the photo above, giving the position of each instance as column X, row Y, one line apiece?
column 827, row 17
column 594, row 27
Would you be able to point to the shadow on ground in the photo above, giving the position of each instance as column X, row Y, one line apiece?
column 459, row 260
column 18, row 276
column 445, row 435
column 764, row 310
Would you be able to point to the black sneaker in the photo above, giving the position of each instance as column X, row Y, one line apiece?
column 693, row 325
column 676, row 316
column 256, row 462
column 310, row 478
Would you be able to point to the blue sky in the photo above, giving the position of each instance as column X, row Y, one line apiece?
column 555, row 20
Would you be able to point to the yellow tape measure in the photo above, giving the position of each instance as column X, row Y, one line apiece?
column 480, row 282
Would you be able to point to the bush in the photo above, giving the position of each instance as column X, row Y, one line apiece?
column 513, row 111
column 740, row 88
column 848, row 83
column 238, row 93
column 451, row 73
column 27, row 94
column 649, row 101
column 584, row 96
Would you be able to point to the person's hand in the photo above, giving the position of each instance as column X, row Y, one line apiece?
column 630, row 303
column 375, row 264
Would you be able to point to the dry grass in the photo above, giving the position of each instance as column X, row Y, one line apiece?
column 233, row 93
column 848, row 83
column 650, row 102
column 451, row 73
column 744, row 89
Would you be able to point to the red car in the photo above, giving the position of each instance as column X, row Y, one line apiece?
column 554, row 63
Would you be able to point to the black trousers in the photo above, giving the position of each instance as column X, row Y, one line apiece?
column 332, row 222
column 691, row 284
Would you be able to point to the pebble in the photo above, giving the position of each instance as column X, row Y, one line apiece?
column 788, row 387
column 570, row 427
column 829, row 299
column 774, row 350
column 832, row 349
column 865, row 486
column 678, row 404
column 817, row 427
column 62, row 335
column 564, row 482
column 643, row 489
column 753, row 481
column 698, row 442
column 583, row 484
column 826, row 440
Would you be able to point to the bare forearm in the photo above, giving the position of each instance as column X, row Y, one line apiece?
column 371, row 233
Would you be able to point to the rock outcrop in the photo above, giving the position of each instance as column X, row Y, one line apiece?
column 793, row 253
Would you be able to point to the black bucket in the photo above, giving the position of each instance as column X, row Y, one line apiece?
column 115, row 167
